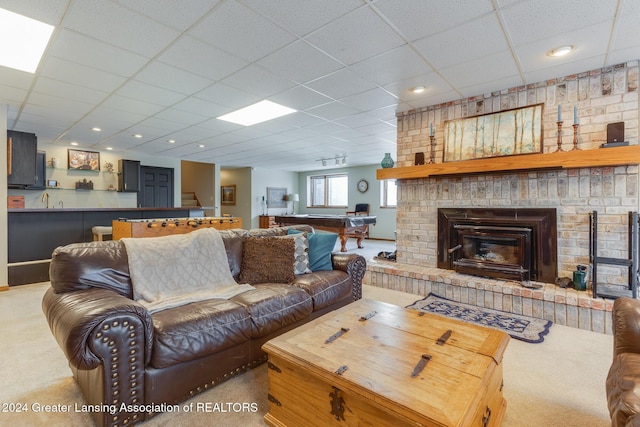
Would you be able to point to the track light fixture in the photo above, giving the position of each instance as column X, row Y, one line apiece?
column 340, row 160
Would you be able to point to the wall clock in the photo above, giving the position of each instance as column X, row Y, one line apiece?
column 363, row 186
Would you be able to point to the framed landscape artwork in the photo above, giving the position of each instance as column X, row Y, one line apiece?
column 517, row 131
column 228, row 195
column 83, row 160
column 276, row 197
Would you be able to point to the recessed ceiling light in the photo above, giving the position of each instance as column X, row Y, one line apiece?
column 137, row 135
column 29, row 39
column 74, row 143
column 96, row 129
column 418, row 89
column 171, row 141
column 560, row 51
column 109, row 148
column 257, row 113
column 201, row 145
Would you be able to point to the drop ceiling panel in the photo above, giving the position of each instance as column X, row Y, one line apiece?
column 255, row 38
column 418, row 18
column 166, row 76
column 392, row 66
column 81, row 75
column 303, row 17
column 258, row 81
column 80, row 49
column 487, row 39
column 149, row 93
column 300, row 62
column 170, row 13
column 198, row 57
column 356, row 36
column 560, row 18
column 342, row 83
column 123, row 28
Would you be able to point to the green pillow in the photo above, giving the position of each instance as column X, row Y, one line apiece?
column 320, row 247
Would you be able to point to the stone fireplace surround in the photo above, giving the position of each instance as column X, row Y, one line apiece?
column 601, row 96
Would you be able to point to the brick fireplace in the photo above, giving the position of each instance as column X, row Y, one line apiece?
column 513, row 244
column 601, row 96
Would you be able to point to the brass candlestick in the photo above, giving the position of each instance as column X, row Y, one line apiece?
column 559, row 136
column 432, row 153
column 575, row 137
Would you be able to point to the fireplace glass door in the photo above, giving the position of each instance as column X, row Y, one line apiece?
column 493, row 251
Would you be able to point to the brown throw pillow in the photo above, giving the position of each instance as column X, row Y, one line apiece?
column 267, row 260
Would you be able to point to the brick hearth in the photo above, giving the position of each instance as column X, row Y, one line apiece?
column 562, row 306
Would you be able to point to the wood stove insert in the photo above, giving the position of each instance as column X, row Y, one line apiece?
column 515, row 244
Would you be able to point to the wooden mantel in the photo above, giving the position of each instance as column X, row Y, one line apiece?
column 601, row 157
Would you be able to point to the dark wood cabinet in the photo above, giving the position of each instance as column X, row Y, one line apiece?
column 41, row 167
column 129, row 176
column 21, row 156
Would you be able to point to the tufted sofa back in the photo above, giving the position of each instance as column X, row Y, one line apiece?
column 105, row 264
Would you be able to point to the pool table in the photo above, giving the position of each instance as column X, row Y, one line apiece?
column 345, row 226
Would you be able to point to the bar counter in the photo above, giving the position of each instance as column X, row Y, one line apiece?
column 33, row 234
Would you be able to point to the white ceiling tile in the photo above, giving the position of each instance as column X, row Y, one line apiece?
column 303, row 17
column 300, row 98
column 332, row 111
column 148, row 93
column 130, row 105
column 553, row 18
column 58, row 89
column 200, row 107
column 392, row 66
column 122, row 27
column 626, row 30
column 419, row 18
column 166, row 76
column 254, row 39
column 370, row 100
column 170, row 13
column 80, row 49
column 432, row 81
column 227, row 96
column 198, row 57
column 488, row 68
column 258, row 81
column 47, row 11
column 356, row 36
column 454, row 46
column 300, row 62
column 340, row 84
column 80, row 75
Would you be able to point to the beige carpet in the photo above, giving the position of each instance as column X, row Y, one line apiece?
column 559, row 382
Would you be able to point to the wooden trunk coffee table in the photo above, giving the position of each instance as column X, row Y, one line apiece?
column 373, row 363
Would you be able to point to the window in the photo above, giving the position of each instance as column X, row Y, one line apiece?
column 388, row 193
column 328, row 191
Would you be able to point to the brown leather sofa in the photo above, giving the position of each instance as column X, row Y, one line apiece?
column 129, row 363
column 623, row 380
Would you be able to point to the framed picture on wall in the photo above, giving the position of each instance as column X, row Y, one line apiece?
column 228, row 195
column 276, row 197
column 83, row 160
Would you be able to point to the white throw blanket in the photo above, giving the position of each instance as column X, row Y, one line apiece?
column 174, row 270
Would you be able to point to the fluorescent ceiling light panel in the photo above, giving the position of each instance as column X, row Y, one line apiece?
column 24, row 41
column 257, row 113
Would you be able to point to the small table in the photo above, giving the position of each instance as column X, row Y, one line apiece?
column 344, row 225
column 372, row 363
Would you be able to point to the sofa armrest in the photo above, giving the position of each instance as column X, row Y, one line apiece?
column 89, row 325
column 355, row 266
column 626, row 326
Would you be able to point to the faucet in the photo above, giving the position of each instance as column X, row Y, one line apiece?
column 61, row 204
column 45, row 195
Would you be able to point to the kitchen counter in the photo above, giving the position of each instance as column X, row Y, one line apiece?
column 33, row 234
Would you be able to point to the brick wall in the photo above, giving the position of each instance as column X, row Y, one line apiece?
column 601, row 96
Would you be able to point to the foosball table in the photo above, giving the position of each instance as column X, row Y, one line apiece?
column 163, row 227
